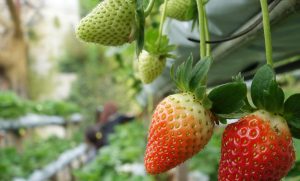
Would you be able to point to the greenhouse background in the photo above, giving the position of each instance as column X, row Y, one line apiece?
column 71, row 110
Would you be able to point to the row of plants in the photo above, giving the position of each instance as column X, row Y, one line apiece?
column 12, row 106
column 35, row 154
column 126, row 146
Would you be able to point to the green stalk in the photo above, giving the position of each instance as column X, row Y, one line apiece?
column 207, row 35
column 267, row 31
column 162, row 19
column 201, row 18
column 287, row 61
column 149, row 8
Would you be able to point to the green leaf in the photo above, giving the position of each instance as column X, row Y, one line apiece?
column 207, row 103
column 293, row 174
column 182, row 74
column 223, row 121
column 189, row 78
column 265, row 92
column 200, row 92
column 234, row 115
column 228, row 98
column 140, row 26
column 294, row 131
column 247, row 107
column 243, row 111
column 199, row 72
column 292, row 111
column 185, row 76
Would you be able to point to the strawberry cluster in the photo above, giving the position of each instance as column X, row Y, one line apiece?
column 258, row 146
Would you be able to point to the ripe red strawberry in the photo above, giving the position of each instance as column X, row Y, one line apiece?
column 257, row 147
column 179, row 129
column 182, row 124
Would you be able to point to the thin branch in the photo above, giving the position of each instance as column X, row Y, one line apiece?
column 15, row 15
column 149, row 8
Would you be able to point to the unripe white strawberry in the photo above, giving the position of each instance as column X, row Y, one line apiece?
column 111, row 23
column 150, row 66
column 182, row 10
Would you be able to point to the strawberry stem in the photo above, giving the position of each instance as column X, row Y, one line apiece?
column 207, row 36
column 162, row 19
column 149, row 8
column 267, row 31
column 201, row 14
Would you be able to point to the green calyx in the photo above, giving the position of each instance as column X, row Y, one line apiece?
column 192, row 78
column 228, row 98
column 265, row 92
column 225, row 100
column 291, row 113
column 267, row 95
column 164, row 48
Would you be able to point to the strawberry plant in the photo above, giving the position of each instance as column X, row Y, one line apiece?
column 152, row 60
column 259, row 146
column 182, row 124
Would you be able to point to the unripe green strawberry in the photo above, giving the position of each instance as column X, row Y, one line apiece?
column 111, row 23
column 150, row 66
column 182, row 10
column 179, row 129
column 257, row 147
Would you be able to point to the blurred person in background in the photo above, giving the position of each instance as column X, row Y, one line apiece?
column 97, row 135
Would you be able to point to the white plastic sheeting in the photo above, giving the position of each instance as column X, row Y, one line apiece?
column 33, row 120
column 225, row 18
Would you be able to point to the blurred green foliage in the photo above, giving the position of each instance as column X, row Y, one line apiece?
column 103, row 74
column 12, row 107
column 296, row 170
column 207, row 161
column 58, row 108
column 36, row 154
column 126, row 146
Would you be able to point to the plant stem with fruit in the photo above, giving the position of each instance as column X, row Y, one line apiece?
column 267, row 31
column 201, row 14
column 149, row 8
column 162, row 19
column 207, row 36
